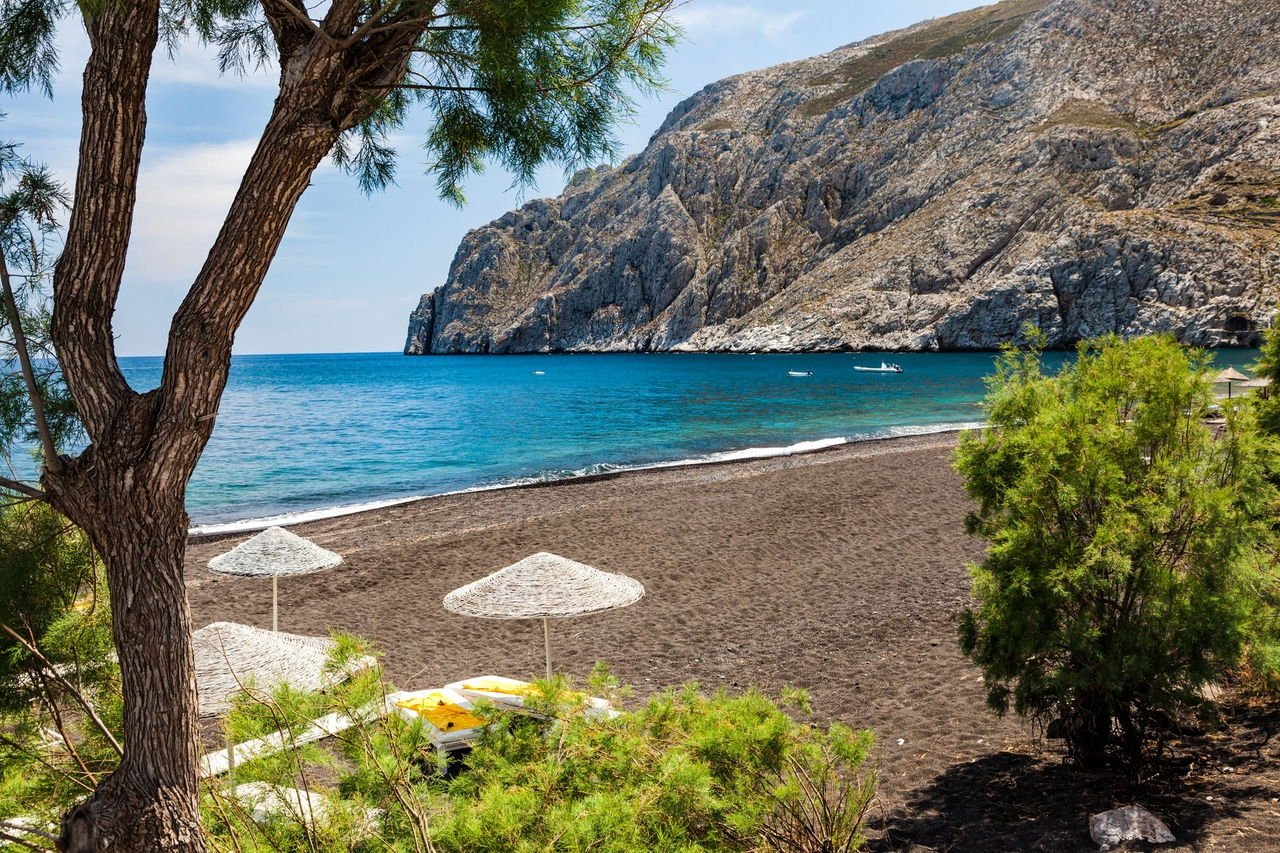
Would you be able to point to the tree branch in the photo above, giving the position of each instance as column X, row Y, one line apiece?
column 22, row 488
column 301, row 17
column 86, row 281
column 341, row 19
column 8, row 824
column 198, row 355
column 13, row 839
column 370, row 26
column 425, row 87
column 51, row 460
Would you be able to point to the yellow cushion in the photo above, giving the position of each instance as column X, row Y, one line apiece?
column 498, row 684
column 441, row 713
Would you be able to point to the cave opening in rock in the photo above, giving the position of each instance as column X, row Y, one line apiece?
column 1238, row 323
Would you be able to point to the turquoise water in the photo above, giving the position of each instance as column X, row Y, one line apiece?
column 311, row 432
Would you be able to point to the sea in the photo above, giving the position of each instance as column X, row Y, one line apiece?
column 300, row 437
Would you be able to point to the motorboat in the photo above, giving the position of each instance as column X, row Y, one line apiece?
column 883, row 368
column 799, row 372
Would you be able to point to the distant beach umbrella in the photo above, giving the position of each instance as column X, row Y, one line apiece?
column 1229, row 375
column 1262, row 383
column 230, row 656
column 273, row 553
column 544, row 586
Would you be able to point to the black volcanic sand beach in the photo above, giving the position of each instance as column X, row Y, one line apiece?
column 841, row 572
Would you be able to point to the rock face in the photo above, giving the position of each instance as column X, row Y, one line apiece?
column 1084, row 166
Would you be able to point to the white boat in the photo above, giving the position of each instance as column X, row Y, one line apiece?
column 799, row 372
column 883, row 368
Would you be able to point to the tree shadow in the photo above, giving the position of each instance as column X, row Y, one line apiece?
column 1011, row 801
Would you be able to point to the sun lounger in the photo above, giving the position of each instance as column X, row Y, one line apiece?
column 445, row 713
column 511, row 693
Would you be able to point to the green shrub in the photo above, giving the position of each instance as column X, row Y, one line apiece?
column 1268, row 367
column 52, row 753
column 1124, row 567
column 45, row 566
column 686, row 772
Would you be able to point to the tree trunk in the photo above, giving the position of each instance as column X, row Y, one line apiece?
column 151, row 801
column 1089, row 732
column 127, row 489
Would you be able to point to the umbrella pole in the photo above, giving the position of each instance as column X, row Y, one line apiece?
column 546, row 639
column 275, row 601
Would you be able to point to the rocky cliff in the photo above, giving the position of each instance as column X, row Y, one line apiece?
column 1086, row 166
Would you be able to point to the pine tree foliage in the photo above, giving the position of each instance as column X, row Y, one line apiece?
column 53, row 598
column 1268, row 367
column 520, row 84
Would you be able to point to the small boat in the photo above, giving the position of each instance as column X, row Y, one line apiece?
column 539, row 373
column 883, row 368
column 799, row 372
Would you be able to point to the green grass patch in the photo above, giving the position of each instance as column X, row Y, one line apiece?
column 1081, row 113
column 717, row 124
column 944, row 37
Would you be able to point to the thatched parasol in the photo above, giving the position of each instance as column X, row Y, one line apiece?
column 544, row 586
column 230, row 656
column 1229, row 375
column 272, row 553
column 1262, row 383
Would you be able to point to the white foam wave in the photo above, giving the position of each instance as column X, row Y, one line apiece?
column 285, row 519
column 250, row 525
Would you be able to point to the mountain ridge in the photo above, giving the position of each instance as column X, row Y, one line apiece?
column 1083, row 166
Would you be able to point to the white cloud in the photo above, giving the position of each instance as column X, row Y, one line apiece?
column 183, row 197
column 734, row 19
column 196, row 64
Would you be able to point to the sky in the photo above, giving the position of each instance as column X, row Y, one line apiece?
column 351, row 266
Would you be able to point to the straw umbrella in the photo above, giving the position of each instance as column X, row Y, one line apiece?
column 1262, row 383
column 1228, row 376
column 229, row 656
column 275, row 552
column 544, row 586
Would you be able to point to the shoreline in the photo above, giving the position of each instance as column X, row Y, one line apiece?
column 603, row 471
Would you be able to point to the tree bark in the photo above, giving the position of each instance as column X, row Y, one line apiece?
column 151, row 801
column 87, row 278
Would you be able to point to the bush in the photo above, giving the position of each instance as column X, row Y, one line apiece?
column 46, row 565
column 1124, row 562
column 1268, row 367
column 686, row 772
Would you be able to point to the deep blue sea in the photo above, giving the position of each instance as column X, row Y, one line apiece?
column 301, row 433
